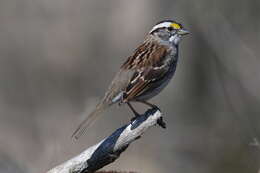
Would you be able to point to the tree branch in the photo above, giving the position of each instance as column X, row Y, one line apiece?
column 110, row 148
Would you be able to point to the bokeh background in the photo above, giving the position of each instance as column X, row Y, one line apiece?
column 57, row 58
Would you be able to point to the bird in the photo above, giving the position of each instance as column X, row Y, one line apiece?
column 144, row 74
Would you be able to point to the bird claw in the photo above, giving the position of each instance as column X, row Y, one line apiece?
column 133, row 119
column 161, row 123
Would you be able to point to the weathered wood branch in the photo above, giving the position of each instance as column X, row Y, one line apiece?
column 110, row 148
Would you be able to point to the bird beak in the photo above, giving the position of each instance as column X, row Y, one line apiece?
column 183, row 32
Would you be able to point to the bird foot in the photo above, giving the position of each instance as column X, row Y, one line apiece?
column 161, row 123
column 135, row 117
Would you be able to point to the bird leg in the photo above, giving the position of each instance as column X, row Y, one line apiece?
column 134, row 111
column 148, row 104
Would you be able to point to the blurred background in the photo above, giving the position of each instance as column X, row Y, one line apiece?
column 57, row 58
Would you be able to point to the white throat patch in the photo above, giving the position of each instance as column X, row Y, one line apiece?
column 175, row 39
column 161, row 25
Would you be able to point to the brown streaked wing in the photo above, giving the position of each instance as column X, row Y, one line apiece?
column 150, row 68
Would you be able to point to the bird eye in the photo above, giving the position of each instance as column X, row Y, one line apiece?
column 170, row 28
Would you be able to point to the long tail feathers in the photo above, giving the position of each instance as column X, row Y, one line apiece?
column 89, row 120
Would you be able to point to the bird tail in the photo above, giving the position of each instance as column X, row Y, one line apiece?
column 89, row 120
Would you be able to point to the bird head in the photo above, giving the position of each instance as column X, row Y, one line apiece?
column 169, row 31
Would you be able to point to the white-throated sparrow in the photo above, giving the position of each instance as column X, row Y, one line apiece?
column 145, row 73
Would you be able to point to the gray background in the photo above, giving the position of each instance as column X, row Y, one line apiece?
column 57, row 58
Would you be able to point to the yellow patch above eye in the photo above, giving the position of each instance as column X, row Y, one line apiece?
column 175, row 26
